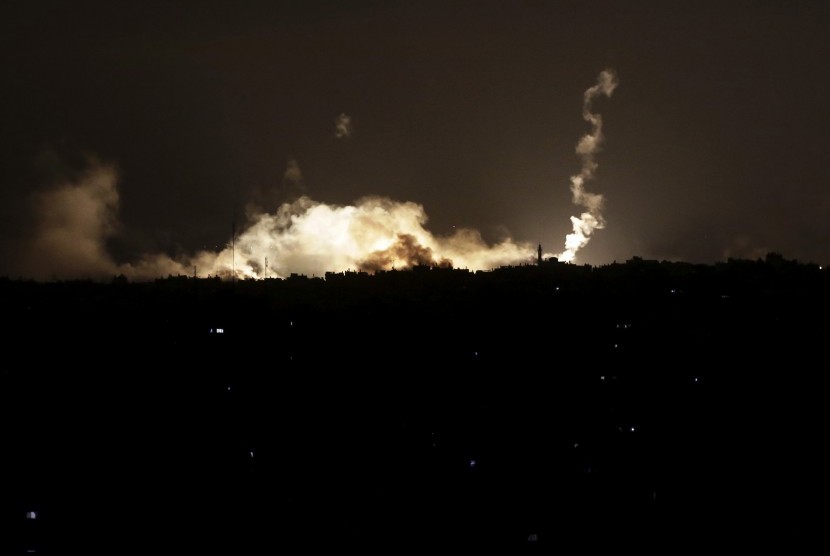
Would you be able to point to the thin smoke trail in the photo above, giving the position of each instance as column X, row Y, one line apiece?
column 586, row 148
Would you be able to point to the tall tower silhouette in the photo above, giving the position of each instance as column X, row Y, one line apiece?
column 539, row 259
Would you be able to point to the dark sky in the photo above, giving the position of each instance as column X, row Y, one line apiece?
column 715, row 140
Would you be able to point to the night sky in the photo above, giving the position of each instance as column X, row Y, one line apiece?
column 714, row 139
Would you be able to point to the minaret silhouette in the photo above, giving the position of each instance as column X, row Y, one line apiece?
column 539, row 260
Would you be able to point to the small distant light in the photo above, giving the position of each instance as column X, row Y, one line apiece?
column 576, row 444
column 229, row 387
column 291, row 323
column 533, row 537
column 472, row 463
column 252, row 453
column 31, row 515
column 220, row 330
column 602, row 377
column 632, row 429
column 696, row 379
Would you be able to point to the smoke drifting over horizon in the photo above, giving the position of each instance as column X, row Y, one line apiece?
column 586, row 148
column 75, row 219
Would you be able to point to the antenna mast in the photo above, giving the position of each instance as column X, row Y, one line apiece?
column 233, row 251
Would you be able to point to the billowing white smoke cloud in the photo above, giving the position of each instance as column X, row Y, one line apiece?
column 293, row 175
column 343, row 126
column 376, row 233
column 303, row 236
column 586, row 148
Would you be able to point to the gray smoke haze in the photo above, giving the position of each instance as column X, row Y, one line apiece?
column 586, row 148
column 343, row 126
column 292, row 181
column 74, row 220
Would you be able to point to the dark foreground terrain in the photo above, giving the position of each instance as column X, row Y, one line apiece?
column 653, row 406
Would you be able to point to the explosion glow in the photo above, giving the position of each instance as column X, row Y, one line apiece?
column 375, row 233
column 304, row 237
column 586, row 148
column 75, row 219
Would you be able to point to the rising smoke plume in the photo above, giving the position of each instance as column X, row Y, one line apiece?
column 292, row 181
column 586, row 148
column 75, row 219
column 343, row 126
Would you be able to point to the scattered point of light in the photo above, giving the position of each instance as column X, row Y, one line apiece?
column 696, row 380
column 632, row 429
column 576, row 444
column 31, row 515
column 291, row 323
column 472, row 463
column 229, row 387
column 533, row 537
column 252, row 453
column 602, row 377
